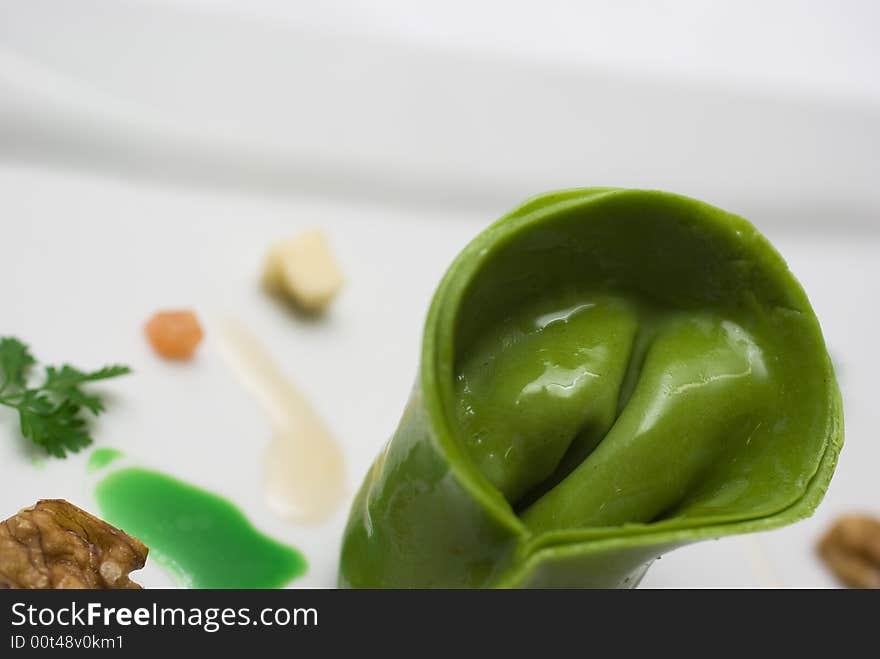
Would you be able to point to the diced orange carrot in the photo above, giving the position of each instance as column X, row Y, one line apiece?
column 174, row 334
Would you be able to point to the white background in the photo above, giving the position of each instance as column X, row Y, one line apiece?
column 150, row 151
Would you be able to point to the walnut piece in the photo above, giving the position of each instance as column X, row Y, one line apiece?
column 54, row 544
column 851, row 548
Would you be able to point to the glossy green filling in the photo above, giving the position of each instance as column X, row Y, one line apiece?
column 598, row 413
column 643, row 372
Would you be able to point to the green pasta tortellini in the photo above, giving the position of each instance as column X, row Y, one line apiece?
column 606, row 375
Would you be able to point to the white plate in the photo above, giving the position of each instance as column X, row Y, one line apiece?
column 150, row 157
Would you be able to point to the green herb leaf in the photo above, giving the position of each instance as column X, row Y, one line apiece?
column 67, row 381
column 51, row 415
column 15, row 363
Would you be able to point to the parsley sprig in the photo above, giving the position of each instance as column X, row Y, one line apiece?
column 52, row 414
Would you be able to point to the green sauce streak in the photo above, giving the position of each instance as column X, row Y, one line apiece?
column 101, row 457
column 203, row 539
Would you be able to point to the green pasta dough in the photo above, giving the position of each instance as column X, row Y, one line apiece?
column 606, row 375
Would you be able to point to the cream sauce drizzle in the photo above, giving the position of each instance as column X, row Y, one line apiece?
column 303, row 466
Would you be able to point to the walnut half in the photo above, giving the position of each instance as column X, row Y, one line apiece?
column 54, row 544
column 851, row 548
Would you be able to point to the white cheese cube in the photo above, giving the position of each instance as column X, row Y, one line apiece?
column 304, row 269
